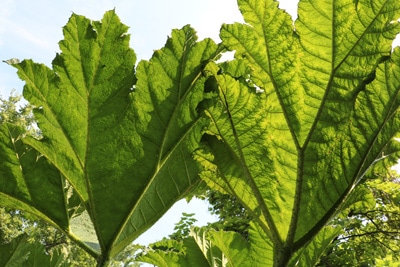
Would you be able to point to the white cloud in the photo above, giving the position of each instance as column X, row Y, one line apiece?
column 29, row 37
column 5, row 11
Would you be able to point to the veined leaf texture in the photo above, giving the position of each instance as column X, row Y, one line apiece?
column 125, row 147
column 289, row 127
column 328, row 111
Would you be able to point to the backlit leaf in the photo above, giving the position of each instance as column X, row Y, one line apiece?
column 124, row 147
column 312, row 110
column 29, row 181
column 22, row 252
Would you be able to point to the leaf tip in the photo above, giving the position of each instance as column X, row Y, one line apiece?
column 12, row 61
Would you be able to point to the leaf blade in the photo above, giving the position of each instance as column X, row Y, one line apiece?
column 169, row 124
column 315, row 80
column 24, row 176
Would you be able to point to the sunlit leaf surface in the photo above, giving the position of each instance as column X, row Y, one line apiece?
column 304, row 111
column 125, row 147
column 289, row 127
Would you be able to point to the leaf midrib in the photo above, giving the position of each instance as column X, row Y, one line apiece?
column 278, row 241
column 265, row 211
column 332, row 76
column 298, row 244
column 160, row 161
column 89, row 86
column 34, row 142
column 163, row 160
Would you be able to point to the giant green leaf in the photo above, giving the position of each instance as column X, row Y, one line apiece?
column 292, row 125
column 304, row 111
column 125, row 147
column 81, row 107
column 166, row 118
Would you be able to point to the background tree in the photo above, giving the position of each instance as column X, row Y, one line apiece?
column 370, row 233
column 13, row 111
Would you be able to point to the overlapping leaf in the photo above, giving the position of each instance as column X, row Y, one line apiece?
column 169, row 126
column 29, row 181
column 244, row 156
column 353, row 123
column 81, row 107
column 192, row 251
column 125, row 148
column 233, row 246
column 293, row 153
column 268, row 47
column 297, row 120
column 201, row 248
column 22, row 252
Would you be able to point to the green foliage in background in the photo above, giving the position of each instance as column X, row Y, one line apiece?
column 290, row 128
column 370, row 233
